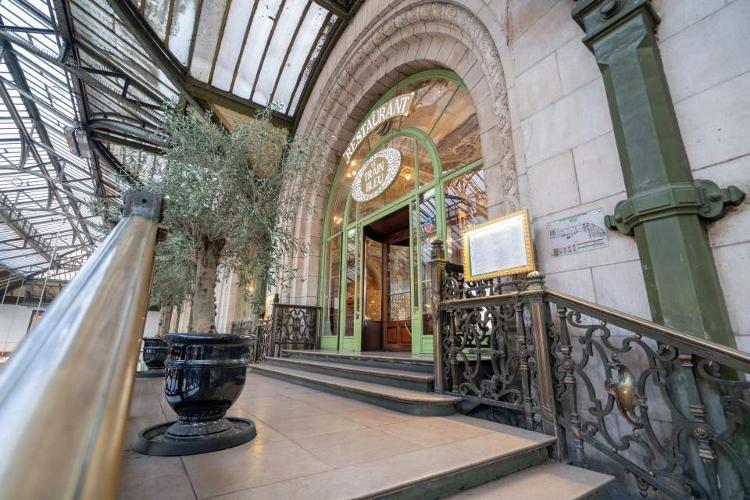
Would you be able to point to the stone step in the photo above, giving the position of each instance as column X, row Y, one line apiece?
column 394, row 398
column 405, row 379
column 427, row 473
column 408, row 362
column 550, row 480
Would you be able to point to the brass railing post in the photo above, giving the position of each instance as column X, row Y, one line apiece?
column 437, row 269
column 539, row 310
column 523, row 357
column 64, row 394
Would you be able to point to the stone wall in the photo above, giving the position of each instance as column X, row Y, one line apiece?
column 547, row 136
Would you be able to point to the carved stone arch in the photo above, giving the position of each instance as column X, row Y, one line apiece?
column 405, row 40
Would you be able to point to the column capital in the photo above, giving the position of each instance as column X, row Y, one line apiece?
column 701, row 197
column 598, row 18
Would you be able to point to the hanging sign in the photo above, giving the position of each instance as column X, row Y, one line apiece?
column 398, row 106
column 376, row 174
column 501, row 247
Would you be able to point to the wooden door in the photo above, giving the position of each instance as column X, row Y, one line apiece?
column 397, row 297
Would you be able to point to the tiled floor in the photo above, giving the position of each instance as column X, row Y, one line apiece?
column 310, row 445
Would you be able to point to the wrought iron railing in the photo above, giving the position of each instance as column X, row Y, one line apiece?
column 290, row 326
column 620, row 393
column 64, row 394
column 293, row 327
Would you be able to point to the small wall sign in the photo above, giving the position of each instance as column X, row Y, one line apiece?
column 578, row 233
column 376, row 174
column 398, row 106
column 501, row 247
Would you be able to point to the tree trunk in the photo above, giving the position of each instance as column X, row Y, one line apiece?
column 204, row 298
column 165, row 318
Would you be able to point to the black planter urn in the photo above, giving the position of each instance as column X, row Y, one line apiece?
column 205, row 374
column 154, row 353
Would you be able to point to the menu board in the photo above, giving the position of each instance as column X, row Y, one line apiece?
column 501, row 247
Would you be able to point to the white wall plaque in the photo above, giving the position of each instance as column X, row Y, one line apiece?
column 376, row 174
column 501, row 247
column 578, row 233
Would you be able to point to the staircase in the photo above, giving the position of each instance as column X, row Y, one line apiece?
column 398, row 383
column 508, row 463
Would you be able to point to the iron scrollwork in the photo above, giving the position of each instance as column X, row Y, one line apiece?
column 488, row 357
column 294, row 326
column 673, row 420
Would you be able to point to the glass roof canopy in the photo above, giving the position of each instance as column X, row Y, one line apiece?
column 82, row 83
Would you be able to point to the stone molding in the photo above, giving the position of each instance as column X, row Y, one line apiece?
column 374, row 54
column 433, row 20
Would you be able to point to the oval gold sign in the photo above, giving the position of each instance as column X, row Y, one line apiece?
column 377, row 173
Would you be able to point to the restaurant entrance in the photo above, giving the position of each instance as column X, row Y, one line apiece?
column 412, row 174
column 387, row 282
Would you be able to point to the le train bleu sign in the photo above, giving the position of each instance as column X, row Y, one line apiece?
column 376, row 174
column 398, row 106
column 380, row 169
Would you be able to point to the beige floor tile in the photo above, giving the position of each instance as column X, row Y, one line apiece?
column 312, row 426
column 157, row 478
column 289, row 409
column 432, row 431
column 266, row 434
column 342, row 449
column 256, row 401
column 375, row 416
column 341, row 405
column 249, row 466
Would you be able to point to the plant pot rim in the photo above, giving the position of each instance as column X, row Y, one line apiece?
column 159, row 339
column 208, row 338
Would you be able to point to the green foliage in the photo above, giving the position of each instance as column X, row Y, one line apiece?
column 174, row 271
column 239, row 191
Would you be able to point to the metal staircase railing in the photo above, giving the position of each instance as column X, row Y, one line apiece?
column 622, row 394
column 64, row 394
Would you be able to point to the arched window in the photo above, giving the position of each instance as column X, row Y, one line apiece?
column 374, row 285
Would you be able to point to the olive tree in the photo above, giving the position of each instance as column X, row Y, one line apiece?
column 174, row 277
column 232, row 197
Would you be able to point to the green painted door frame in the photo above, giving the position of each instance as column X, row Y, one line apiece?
column 353, row 227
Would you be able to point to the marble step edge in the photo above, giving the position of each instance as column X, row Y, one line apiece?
column 368, row 370
column 394, row 398
column 359, row 356
column 445, row 483
column 564, row 482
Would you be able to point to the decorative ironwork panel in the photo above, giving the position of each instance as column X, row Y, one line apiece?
column 670, row 416
column 294, row 326
column 455, row 286
column 488, row 356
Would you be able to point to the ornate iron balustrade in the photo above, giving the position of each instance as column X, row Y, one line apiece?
column 669, row 408
column 293, row 327
column 620, row 393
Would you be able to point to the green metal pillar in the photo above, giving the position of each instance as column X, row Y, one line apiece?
column 666, row 208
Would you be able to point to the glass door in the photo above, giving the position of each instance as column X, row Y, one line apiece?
column 398, row 298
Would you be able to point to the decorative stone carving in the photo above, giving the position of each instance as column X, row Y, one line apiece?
column 355, row 74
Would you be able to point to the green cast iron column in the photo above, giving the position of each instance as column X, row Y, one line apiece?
column 666, row 208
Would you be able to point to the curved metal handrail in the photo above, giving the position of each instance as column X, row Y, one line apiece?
column 704, row 348
column 65, row 392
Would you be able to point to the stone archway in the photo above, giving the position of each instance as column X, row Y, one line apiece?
column 404, row 39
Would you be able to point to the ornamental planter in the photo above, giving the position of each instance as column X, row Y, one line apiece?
column 154, row 353
column 205, row 374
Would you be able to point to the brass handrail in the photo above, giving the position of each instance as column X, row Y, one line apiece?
column 705, row 348
column 64, row 394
